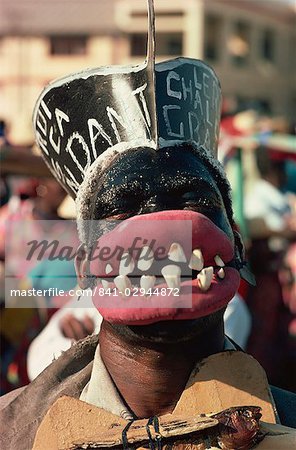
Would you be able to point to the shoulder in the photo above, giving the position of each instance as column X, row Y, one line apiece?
column 8, row 398
column 285, row 402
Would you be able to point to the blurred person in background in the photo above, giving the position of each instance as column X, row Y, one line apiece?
column 267, row 207
column 4, row 188
column 32, row 203
column 272, row 227
column 288, row 282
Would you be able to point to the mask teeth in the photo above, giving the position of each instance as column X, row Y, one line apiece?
column 122, row 282
column 196, row 260
column 219, row 262
column 171, row 273
column 172, row 276
column 221, row 273
column 147, row 282
column 108, row 269
column 204, row 278
column 176, row 253
column 146, row 259
column 126, row 265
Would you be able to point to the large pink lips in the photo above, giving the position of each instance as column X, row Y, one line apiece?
column 163, row 229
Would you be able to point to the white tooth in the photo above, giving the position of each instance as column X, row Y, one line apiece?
column 219, row 261
column 122, row 282
column 196, row 261
column 221, row 273
column 172, row 275
column 205, row 278
column 126, row 265
column 147, row 282
column 176, row 253
column 98, row 281
column 106, row 285
column 146, row 258
column 108, row 269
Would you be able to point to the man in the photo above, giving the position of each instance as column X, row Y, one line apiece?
column 272, row 230
column 160, row 252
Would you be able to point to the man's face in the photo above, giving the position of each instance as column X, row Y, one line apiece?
column 153, row 193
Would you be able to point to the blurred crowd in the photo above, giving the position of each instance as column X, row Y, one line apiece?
column 266, row 213
column 260, row 318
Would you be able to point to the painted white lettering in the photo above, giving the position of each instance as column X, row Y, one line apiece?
column 198, row 102
column 71, row 182
column 45, row 108
column 216, row 95
column 187, row 90
column 166, row 109
column 195, row 78
column 208, row 112
column 112, row 114
column 41, row 122
column 55, row 145
column 60, row 116
column 171, row 93
column 57, row 169
column 42, row 143
column 94, row 125
column 206, row 86
column 140, row 91
column 193, row 126
column 79, row 138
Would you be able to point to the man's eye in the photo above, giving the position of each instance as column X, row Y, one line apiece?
column 200, row 200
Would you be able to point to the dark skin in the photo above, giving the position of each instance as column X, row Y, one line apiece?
column 142, row 182
column 150, row 365
column 150, row 375
column 75, row 329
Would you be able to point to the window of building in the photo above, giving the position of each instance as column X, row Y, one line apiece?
column 68, row 45
column 239, row 44
column 138, row 42
column 169, row 44
column 166, row 44
column 212, row 42
column 268, row 45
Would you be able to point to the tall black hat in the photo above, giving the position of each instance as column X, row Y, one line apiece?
column 83, row 120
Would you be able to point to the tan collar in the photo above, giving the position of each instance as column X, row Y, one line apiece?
column 100, row 391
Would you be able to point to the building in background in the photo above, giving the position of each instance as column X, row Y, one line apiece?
column 251, row 45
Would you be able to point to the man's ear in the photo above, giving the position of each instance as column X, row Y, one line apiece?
column 239, row 244
column 240, row 257
column 81, row 263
